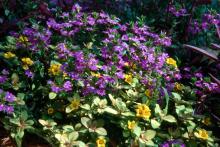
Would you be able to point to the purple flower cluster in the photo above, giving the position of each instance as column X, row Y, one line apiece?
column 67, row 87
column 173, row 142
column 200, row 81
column 104, row 61
column 4, row 76
column 122, row 50
column 208, row 20
column 176, row 12
column 33, row 38
column 5, row 102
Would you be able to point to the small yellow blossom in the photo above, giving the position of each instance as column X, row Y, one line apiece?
column 126, row 64
column 54, row 68
column 207, row 121
column 128, row 78
column 50, row 111
column 65, row 74
column 133, row 66
column 100, row 142
column 131, row 124
column 22, row 39
column 27, row 61
column 148, row 93
column 178, row 86
column 75, row 104
column 98, row 75
column 202, row 134
column 171, row 61
column 8, row 55
column 143, row 111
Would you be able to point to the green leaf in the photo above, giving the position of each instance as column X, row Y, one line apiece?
column 7, row 12
column 176, row 96
column 24, row 115
column 101, row 131
column 15, row 121
column 96, row 101
column 68, row 109
column 137, row 131
column 85, row 106
column 11, row 40
column 128, row 114
column 167, row 100
column 68, row 128
column 120, row 105
column 169, row 118
column 180, row 109
column 111, row 110
column 73, row 136
column 155, row 124
column 80, row 144
column 29, row 122
column 158, row 110
column 52, row 95
column 150, row 143
column 86, row 121
column 112, row 99
column 126, row 133
column 149, row 134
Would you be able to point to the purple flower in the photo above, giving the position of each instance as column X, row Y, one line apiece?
column 1, row 107
column 120, row 75
column 29, row 74
column 9, row 109
column 92, row 63
column 55, row 89
column 9, row 97
column 172, row 142
column 67, row 86
column 199, row 75
column 3, row 79
column 100, row 92
column 5, row 72
column 175, row 12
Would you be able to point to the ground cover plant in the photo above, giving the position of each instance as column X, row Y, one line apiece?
column 74, row 76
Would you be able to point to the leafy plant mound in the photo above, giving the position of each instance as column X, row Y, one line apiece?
column 84, row 78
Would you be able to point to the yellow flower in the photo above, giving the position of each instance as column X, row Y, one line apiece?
column 22, row 39
column 126, row 64
column 143, row 111
column 50, row 111
column 128, row 78
column 100, row 142
column 202, row 134
column 27, row 61
column 65, row 74
column 171, row 61
column 207, row 121
column 131, row 124
column 98, row 75
column 54, row 69
column 133, row 66
column 148, row 93
column 8, row 55
column 178, row 86
column 75, row 104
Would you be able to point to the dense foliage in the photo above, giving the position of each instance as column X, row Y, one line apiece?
column 80, row 76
